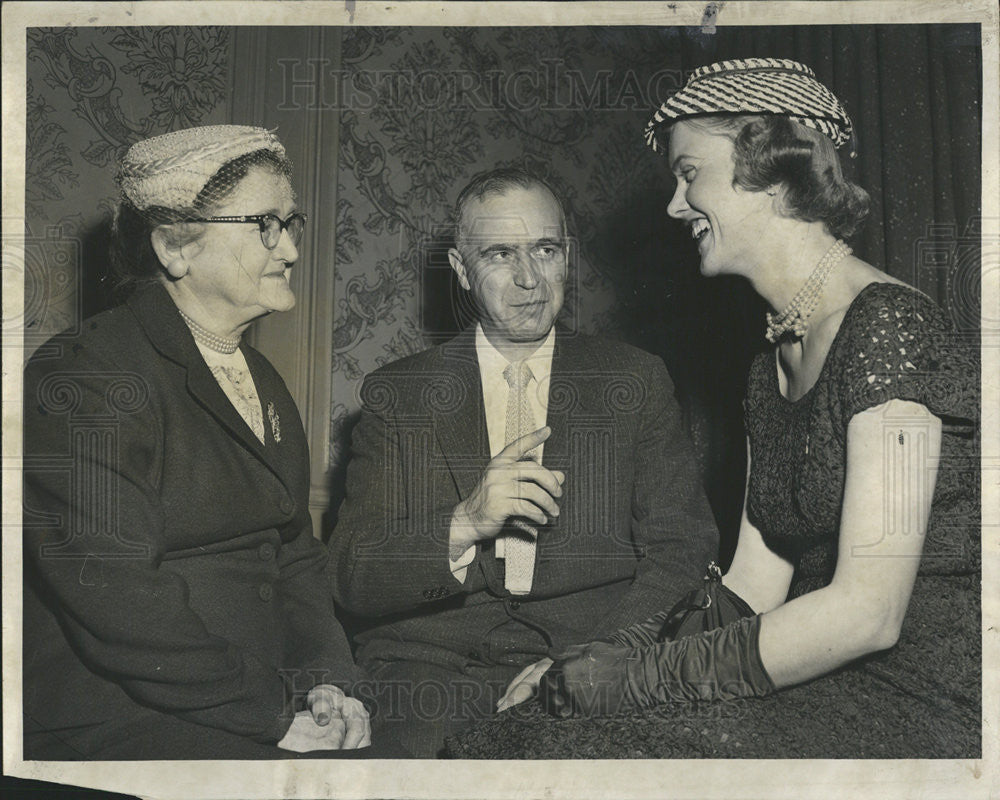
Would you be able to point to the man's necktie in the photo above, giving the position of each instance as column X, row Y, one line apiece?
column 519, row 549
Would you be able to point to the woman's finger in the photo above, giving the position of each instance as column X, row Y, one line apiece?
column 324, row 701
column 335, row 733
column 357, row 726
column 367, row 741
column 322, row 711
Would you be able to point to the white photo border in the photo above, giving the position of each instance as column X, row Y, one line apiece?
column 779, row 778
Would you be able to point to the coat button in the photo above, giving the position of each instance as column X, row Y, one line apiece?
column 287, row 505
column 514, row 605
column 265, row 552
column 265, row 592
column 474, row 655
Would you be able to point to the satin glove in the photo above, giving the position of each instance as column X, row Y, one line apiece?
column 641, row 634
column 600, row 678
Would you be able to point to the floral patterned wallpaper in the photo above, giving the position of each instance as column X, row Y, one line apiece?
column 424, row 110
column 92, row 92
column 419, row 111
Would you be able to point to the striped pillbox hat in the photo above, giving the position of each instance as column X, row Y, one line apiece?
column 757, row 86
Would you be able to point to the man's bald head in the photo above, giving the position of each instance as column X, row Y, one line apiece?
column 496, row 182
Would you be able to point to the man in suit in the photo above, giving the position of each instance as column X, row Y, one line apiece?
column 517, row 489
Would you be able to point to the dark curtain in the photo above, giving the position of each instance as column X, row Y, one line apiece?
column 914, row 95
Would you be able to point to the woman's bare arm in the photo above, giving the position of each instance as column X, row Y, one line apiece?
column 892, row 460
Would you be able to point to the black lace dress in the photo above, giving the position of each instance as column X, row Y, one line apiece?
column 919, row 699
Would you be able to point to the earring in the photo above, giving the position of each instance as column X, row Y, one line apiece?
column 177, row 268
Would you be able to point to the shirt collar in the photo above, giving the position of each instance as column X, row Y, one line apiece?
column 491, row 362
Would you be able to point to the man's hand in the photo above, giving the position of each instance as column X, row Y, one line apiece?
column 525, row 685
column 333, row 722
column 512, row 486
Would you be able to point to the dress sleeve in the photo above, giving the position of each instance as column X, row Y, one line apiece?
column 315, row 642
column 900, row 345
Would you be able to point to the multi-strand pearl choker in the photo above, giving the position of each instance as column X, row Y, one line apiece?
column 205, row 337
column 796, row 314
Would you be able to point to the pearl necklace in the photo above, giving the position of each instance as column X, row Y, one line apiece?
column 796, row 314
column 210, row 340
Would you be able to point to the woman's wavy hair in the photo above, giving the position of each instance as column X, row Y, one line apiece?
column 772, row 150
column 132, row 258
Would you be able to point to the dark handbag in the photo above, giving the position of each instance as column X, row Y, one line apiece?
column 704, row 609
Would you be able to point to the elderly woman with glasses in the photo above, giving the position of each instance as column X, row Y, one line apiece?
column 176, row 602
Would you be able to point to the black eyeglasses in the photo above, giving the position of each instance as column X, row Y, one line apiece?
column 270, row 225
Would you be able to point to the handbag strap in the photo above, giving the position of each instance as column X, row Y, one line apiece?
column 700, row 600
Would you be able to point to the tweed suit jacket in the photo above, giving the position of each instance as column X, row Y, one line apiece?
column 634, row 529
column 170, row 566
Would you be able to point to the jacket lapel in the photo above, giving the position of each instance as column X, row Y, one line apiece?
column 563, row 390
column 281, row 416
column 461, row 431
column 158, row 316
column 462, row 434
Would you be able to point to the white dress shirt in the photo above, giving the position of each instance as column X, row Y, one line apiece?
column 495, row 396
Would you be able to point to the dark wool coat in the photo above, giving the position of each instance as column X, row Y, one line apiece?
column 170, row 566
column 634, row 532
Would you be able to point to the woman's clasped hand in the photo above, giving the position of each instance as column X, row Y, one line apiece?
column 333, row 721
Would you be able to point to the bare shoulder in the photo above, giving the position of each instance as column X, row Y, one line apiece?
column 856, row 276
column 865, row 274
